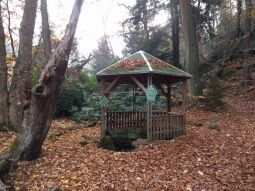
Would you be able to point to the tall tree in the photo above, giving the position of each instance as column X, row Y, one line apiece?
column 45, row 31
column 20, row 86
column 3, row 77
column 238, row 21
column 138, row 26
column 175, row 32
column 38, row 117
column 191, row 52
column 247, row 43
column 103, row 55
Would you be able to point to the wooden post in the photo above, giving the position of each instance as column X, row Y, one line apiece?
column 184, row 104
column 169, row 86
column 103, row 110
column 184, row 96
column 134, row 97
column 149, row 111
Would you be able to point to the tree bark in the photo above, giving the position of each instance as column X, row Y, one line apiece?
column 238, row 22
column 3, row 78
column 191, row 51
column 248, row 22
column 175, row 32
column 45, row 31
column 38, row 117
column 21, row 87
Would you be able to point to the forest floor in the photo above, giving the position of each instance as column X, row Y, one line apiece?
column 218, row 153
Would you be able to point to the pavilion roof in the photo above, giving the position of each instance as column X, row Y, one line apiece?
column 142, row 63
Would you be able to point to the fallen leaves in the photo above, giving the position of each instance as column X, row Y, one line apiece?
column 204, row 159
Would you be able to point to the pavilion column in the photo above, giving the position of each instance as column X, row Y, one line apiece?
column 134, row 97
column 103, row 110
column 184, row 96
column 149, row 111
column 169, row 86
column 184, row 104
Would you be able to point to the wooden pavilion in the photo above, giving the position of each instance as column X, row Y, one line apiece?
column 144, row 72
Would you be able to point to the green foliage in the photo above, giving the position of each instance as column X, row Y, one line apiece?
column 214, row 94
column 69, row 98
column 79, row 98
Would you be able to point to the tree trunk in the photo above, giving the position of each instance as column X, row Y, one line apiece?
column 191, row 51
column 38, row 117
column 175, row 32
column 21, row 86
column 3, row 78
column 238, row 23
column 45, row 31
column 248, row 22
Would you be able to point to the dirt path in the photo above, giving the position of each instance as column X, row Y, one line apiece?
column 204, row 159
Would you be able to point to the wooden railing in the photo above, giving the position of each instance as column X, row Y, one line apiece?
column 164, row 125
column 167, row 126
column 127, row 119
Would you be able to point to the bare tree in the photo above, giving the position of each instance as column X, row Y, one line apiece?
column 45, row 31
column 20, row 86
column 38, row 117
column 3, row 77
column 191, row 51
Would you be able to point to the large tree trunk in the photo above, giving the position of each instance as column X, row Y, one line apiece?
column 175, row 32
column 38, row 117
column 247, row 43
column 21, row 86
column 191, row 47
column 238, row 21
column 45, row 31
column 3, row 78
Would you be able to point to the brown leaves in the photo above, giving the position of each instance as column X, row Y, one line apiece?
column 204, row 159
column 130, row 64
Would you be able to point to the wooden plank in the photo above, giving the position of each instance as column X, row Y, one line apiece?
column 184, row 96
column 169, row 97
column 103, row 110
column 149, row 110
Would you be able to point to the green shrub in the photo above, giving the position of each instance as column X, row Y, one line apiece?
column 214, row 94
column 79, row 97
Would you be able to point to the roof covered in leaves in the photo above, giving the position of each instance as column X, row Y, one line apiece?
column 141, row 63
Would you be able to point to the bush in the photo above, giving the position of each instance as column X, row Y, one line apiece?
column 214, row 94
column 79, row 97
column 85, row 114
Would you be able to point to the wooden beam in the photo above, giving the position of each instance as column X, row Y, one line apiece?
column 169, row 86
column 112, row 84
column 149, row 112
column 134, row 97
column 103, row 110
column 184, row 96
column 162, row 90
column 139, row 84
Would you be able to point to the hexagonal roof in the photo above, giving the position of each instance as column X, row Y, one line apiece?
column 142, row 63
